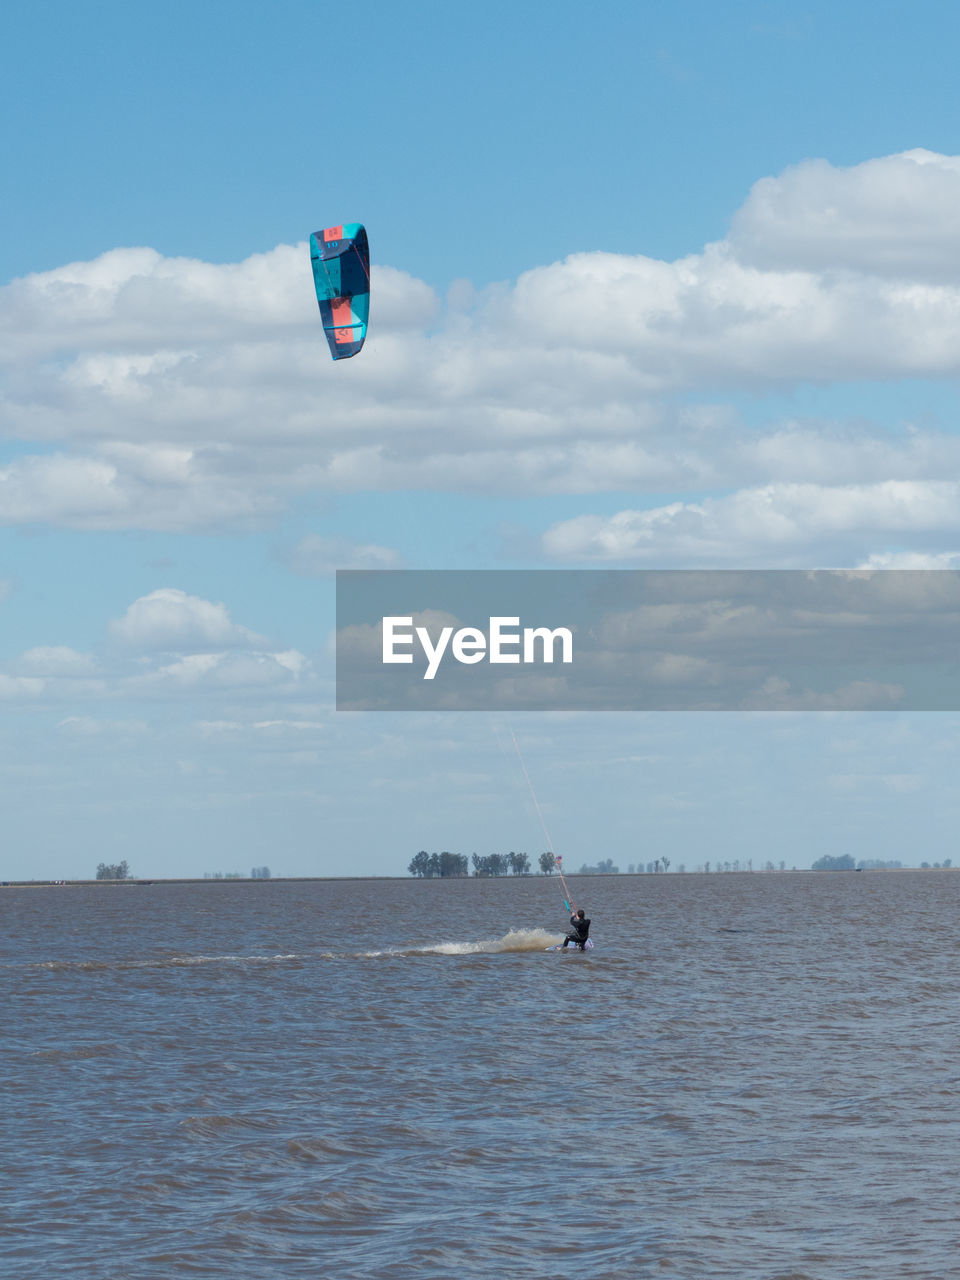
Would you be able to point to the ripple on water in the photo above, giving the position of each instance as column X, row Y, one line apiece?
column 751, row 1077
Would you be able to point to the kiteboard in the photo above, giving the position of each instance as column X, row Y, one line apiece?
column 587, row 946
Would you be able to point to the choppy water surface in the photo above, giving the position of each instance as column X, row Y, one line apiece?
column 751, row 1076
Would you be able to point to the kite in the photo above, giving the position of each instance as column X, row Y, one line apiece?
column 340, row 257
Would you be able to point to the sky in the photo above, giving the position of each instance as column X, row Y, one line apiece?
column 674, row 287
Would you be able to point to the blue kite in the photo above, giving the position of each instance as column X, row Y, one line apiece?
column 340, row 257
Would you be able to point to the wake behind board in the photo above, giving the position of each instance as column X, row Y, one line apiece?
column 587, row 946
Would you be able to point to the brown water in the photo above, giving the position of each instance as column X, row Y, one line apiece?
column 751, row 1076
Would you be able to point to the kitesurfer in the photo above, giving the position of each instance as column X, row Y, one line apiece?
column 579, row 931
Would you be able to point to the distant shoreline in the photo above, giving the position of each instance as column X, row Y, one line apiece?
column 143, row 881
column 134, row 881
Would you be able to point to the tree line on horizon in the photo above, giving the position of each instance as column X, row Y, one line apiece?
column 446, row 865
column 846, row 862
column 121, row 871
column 113, row 871
column 439, row 866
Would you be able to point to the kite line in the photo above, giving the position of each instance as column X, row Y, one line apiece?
column 567, row 899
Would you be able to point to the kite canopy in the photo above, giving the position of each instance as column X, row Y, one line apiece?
column 341, row 273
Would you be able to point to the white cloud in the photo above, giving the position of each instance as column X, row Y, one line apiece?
column 168, row 643
column 138, row 303
column 897, row 216
column 315, row 556
column 175, row 394
column 20, row 686
column 247, row 671
column 776, row 524
column 169, row 619
column 56, row 660
column 127, row 486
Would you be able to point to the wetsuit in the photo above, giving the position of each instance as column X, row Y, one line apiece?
column 579, row 932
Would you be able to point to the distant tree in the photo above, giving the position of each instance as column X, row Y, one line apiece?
column 834, row 862
column 420, row 864
column 948, row 862
column 434, row 866
column 706, row 867
column 260, row 873
column 666, row 863
column 605, row 868
column 453, row 864
column 493, row 864
column 519, row 863
column 547, row 863
column 113, row 871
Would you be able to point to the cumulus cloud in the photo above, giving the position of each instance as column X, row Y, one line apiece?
column 167, row 644
column 893, row 217
column 776, row 524
column 175, row 394
column 168, row 619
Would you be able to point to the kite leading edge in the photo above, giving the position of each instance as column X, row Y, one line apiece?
column 340, row 257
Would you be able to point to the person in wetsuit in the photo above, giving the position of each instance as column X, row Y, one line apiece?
column 580, row 930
